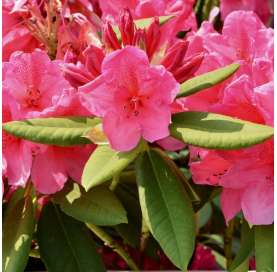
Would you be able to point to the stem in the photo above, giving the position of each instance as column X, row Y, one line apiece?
column 28, row 188
column 114, row 182
column 108, row 241
column 144, row 236
column 228, row 237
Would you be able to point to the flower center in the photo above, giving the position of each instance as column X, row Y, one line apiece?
column 33, row 97
column 133, row 106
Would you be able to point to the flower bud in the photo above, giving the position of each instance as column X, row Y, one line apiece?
column 153, row 34
column 189, row 67
column 175, row 55
column 126, row 27
column 109, row 38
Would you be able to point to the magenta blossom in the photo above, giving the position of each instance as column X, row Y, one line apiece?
column 133, row 97
column 36, row 83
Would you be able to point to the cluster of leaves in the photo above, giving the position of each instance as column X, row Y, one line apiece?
column 131, row 194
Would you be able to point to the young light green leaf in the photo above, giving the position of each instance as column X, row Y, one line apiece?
column 247, row 246
column 63, row 131
column 166, row 208
column 65, row 244
column 98, row 206
column 207, row 80
column 144, row 23
column 18, row 230
column 264, row 248
column 104, row 163
column 216, row 131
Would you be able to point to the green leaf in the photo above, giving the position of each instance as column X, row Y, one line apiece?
column 204, row 215
column 216, row 131
column 65, row 244
column 16, row 196
column 104, row 163
column 264, row 248
column 18, row 230
column 98, row 206
column 207, row 80
column 247, row 246
column 166, row 208
column 63, row 131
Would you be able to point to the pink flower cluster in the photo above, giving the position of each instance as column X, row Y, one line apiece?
column 132, row 83
column 246, row 175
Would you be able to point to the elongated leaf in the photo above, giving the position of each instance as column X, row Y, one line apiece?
column 247, row 246
column 65, row 244
column 18, row 230
column 98, row 206
column 264, row 248
column 104, row 163
column 207, row 80
column 216, row 131
column 63, row 131
column 166, row 208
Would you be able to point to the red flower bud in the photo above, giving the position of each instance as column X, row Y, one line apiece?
column 189, row 67
column 109, row 38
column 175, row 55
column 153, row 34
column 140, row 39
column 126, row 27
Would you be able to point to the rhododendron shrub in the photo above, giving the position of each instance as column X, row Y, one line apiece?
column 137, row 135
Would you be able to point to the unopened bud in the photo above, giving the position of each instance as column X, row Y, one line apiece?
column 126, row 27
column 110, row 38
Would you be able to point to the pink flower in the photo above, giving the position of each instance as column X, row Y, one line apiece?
column 244, row 40
column 17, row 155
column 264, row 8
column 36, row 83
column 52, row 166
column 16, row 36
column 133, row 98
column 33, row 86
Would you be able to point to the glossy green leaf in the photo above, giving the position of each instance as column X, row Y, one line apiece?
column 166, row 208
column 104, row 163
column 18, row 230
column 247, row 246
column 216, row 131
column 207, row 80
column 63, row 131
column 65, row 244
column 98, row 206
column 264, row 248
